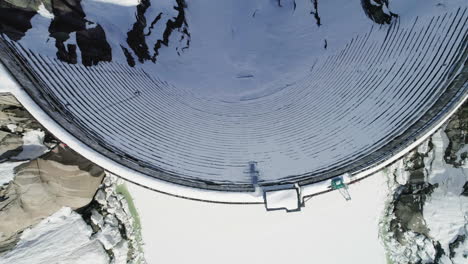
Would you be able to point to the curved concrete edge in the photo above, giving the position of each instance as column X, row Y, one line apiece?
column 10, row 85
column 325, row 186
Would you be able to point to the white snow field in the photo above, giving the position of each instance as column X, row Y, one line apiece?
column 258, row 83
column 184, row 231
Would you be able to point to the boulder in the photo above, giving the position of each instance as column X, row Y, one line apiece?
column 60, row 178
column 10, row 145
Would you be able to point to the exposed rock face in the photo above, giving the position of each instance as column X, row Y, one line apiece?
column 177, row 23
column 456, row 131
column 91, row 41
column 93, row 46
column 378, row 11
column 46, row 184
column 136, row 38
column 15, row 124
column 42, row 186
column 10, row 145
column 315, row 12
column 128, row 56
column 425, row 220
column 69, row 17
column 15, row 18
column 13, row 114
column 410, row 197
column 142, row 43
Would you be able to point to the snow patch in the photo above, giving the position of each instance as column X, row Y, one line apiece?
column 44, row 12
column 7, row 172
column 33, row 145
column 61, row 238
column 12, row 127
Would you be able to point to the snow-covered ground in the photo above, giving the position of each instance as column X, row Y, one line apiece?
column 328, row 230
column 61, row 238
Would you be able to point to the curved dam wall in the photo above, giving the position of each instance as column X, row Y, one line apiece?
column 352, row 111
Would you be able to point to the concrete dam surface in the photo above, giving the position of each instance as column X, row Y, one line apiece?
column 229, row 97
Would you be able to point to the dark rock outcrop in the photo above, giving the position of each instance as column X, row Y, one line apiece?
column 130, row 60
column 178, row 23
column 379, row 13
column 315, row 12
column 410, row 198
column 10, row 145
column 136, row 37
column 456, row 133
column 69, row 17
column 410, row 225
column 13, row 113
column 15, row 20
column 93, row 46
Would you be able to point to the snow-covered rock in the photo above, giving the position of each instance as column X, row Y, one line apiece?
column 100, row 197
column 120, row 252
column 109, row 236
column 33, row 145
column 97, row 219
column 10, row 145
column 446, row 210
column 7, row 173
column 426, row 218
column 114, row 224
column 111, row 220
column 43, row 186
column 61, row 238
